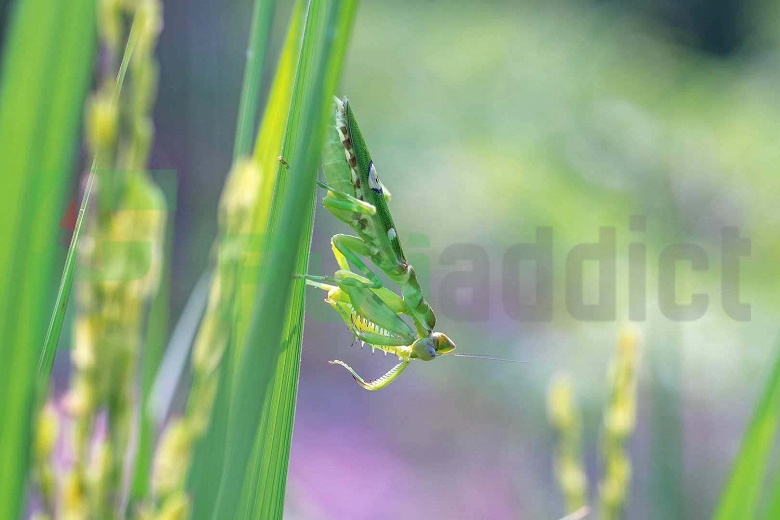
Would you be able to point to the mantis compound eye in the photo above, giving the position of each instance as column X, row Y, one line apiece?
column 424, row 349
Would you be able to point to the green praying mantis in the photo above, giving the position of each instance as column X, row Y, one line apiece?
column 373, row 313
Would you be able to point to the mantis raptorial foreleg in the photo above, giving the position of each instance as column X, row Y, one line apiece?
column 363, row 309
column 376, row 340
column 344, row 278
column 346, row 206
column 367, row 309
column 373, row 315
column 340, row 201
column 348, row 250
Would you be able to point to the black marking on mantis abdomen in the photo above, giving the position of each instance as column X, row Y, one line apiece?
column 361, row 222
column 349, row 152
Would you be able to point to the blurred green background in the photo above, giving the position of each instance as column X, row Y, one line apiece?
column 487, row 121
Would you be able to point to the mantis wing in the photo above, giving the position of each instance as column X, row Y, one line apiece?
column 334, row 162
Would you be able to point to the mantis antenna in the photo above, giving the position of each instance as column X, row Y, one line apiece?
column 489, row 358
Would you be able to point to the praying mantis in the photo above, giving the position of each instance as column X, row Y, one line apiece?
column 373, row 313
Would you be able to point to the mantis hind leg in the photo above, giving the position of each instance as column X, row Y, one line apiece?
column 341, row 279
column 372, row 314
column 378, row 383
column 325, row 283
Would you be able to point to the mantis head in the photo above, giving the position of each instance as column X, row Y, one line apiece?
column 437, row 344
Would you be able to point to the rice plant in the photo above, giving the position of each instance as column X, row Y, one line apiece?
column 618, row 423
column 119, row 244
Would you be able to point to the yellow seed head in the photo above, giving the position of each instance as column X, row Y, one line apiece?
column 620, row 418
column 149, row 22
column 208, row 350
column 627, row 344
column 614, row 486
column 73, row 500
column 110, row 22
column 83, row 354
column 79, row 400
column 560, row 402
column 102, row 121
column 175, row 507
column 202, row 402
column 47, row 432
column 572, row 478
column 175, row 447
column 100, row 465
column 238, row 199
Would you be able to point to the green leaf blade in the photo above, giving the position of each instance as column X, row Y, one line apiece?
column 47, row 45
column 740, row 498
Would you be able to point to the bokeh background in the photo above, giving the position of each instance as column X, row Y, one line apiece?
column 488, row 120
